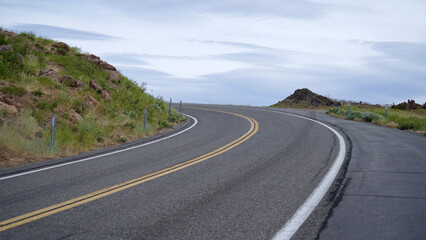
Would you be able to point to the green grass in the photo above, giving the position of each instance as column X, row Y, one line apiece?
column 27, row 133
column 414, row 120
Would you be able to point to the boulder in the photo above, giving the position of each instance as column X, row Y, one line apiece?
column 62, row 45
column 114, row 75
column 105, row 95
column 46, row 71
column 77, row 116
column 107, row 66
column 50, row 73
column 6, row 48
column 95, row 85
column 8, row 101
column 56, row 65
column 8, row 108
column 93, row 59
column 92, row 101
column 69, row 81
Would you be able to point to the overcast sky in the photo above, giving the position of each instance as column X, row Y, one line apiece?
column 244, row 51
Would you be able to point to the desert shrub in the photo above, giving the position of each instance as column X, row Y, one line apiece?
column 175, row 116
column 162, row 124
column 80, row 106
column 27, row 79
column 31, row 64
column 89, row 130
column 372, row 117
column 406, row 125
column 10, row 64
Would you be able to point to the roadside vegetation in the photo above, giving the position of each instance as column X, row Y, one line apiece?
column 93, row 104
column 412, row 120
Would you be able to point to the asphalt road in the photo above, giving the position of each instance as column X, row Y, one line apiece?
column 383, row 193
column 248, row 191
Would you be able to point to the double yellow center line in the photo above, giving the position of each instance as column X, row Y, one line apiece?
column 32, row 216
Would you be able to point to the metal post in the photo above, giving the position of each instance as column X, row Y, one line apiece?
column 341, row 105
column 349, row 107
column 144, row 121
column 53, row 131
column 386, row 113
column 170, row 108
column 180, row 106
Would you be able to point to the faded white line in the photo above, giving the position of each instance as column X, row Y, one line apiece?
column 102, row 155
column 292, row 225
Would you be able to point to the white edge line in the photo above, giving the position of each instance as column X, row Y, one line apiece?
column 102, row 155
column 292, row 225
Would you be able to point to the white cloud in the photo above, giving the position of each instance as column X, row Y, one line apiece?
column 248, row 52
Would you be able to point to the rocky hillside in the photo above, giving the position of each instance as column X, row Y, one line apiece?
column 94, row 105
column 305, row 98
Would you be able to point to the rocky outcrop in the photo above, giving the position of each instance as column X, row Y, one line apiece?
column 60, row 48
column 8, row 108
column 114, row 75
column 70, row 82
column 91, row 101
column 9, row 105
column 56, row 66
column 95, row 85
column 107, row 66
column 50, row 73
column 6, row 48
column 306, row 97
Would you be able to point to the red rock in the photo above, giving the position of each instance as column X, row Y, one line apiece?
column 107, row 66
column 105, row 95
column 8, row 108
column 62, row 45
column 114, row 75
column 92, row 101
column 93, row 84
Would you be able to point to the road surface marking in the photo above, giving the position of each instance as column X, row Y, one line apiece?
column 102, row 155
column 303, row 212
column 32, row 216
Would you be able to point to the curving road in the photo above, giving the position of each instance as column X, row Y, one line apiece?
column 238, row 173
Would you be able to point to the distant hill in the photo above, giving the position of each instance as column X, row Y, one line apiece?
column 93, row 103
column 305, row 98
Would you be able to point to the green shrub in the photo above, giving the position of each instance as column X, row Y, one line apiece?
column 372, row 117
column 80, row 106
column 175, row 116
column 89, row 130
column 405, row 125
column 45, row 81
column 31, row 64
column 29, row 35
column 162, row 124
column 10, row 64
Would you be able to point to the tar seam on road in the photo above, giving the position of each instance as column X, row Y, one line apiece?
column 32, row 216
column 102, row 155
column 303, row 212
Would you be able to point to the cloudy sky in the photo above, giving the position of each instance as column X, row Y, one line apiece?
column 245, row 51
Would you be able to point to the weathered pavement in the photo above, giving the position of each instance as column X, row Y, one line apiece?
column 384, row 191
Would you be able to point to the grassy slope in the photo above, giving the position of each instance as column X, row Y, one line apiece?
column 25, row 136
column 413, row 120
